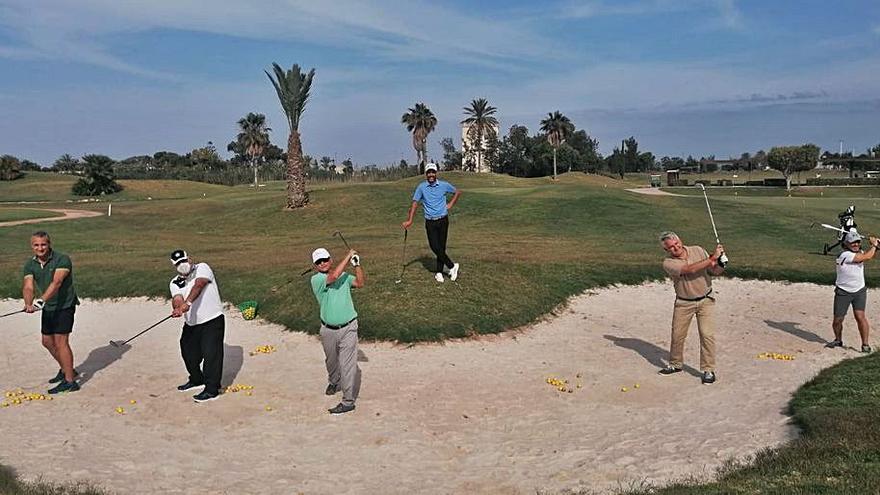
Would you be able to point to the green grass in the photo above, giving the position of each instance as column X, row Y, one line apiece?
column 525, row 246
column 837, row 453
column 11, row 485
column 13, row 214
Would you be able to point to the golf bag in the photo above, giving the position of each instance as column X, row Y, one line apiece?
column 847, row 221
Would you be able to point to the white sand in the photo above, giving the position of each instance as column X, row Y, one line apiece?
column 461, row 417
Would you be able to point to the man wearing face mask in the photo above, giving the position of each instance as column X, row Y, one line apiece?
column 196, row 297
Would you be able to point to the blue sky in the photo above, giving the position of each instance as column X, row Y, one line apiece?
column 697, row 77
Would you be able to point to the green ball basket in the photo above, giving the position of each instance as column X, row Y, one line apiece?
column 246, row 308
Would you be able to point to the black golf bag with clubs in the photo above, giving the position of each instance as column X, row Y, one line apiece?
column 847, row 221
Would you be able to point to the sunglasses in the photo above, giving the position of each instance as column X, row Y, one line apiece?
column 322, row 260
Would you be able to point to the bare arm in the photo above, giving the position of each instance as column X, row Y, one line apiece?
column 710, row 263
column 57, row 278
column 409, row 218
column 454, row 199
column 27, row 292
column 337, row 270
column 360, row 279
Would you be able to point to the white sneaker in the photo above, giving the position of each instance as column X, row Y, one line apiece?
column 453, row 272
column 438, row 277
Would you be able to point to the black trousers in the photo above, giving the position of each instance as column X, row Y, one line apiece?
column 204, row 342
column 437, row 231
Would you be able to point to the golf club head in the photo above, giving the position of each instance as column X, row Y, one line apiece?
column 117, row 343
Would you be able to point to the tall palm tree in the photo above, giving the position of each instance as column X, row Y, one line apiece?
column 558, row 128
column 420, row 121
column 481, row 122
column 293, row 92
column 253, row 138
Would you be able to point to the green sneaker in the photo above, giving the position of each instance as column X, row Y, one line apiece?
column 60, row 376
column 64, row 387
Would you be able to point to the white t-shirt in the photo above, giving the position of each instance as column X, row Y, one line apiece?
column 850, row 276
column 207, row 306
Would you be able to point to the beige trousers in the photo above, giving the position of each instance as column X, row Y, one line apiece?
column 340, row 352
column 682, row 315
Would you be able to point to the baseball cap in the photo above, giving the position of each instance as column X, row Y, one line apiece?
column 853, row 236
column 430, row 166
column 320, row 253
column 178, row 256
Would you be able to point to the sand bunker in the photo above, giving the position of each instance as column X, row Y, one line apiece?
column 66, row 215
column 474, row 416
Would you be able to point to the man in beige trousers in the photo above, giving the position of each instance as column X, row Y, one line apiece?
column 690, row 268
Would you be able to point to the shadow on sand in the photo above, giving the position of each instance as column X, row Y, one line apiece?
column 233, row 358
column 791, row 327
column 652, row 353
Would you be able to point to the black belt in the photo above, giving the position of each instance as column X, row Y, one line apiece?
column 708, row 295
column 337, row 327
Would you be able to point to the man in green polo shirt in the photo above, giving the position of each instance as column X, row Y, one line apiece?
column 339, row 325
column 52, row 273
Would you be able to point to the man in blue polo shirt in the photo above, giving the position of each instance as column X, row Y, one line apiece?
column 432, row 194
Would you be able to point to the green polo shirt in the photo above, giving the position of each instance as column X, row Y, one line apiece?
column 337, row 307
column 43, row 275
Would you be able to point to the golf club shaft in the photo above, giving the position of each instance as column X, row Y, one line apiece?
column 711, row 218
column 832, row 227
column 403, row 258
column 13, row 313
column 147, row 329
column 339, row 233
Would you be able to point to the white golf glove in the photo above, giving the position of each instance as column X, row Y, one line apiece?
column 355, row 260
column 39, row 303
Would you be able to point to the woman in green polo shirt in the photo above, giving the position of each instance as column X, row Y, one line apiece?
column 52, row 273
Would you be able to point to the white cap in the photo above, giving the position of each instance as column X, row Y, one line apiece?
column 430, row 166
column 853, row 236
column 320, row 253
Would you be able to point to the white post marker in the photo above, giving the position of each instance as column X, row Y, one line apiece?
column 109, row 209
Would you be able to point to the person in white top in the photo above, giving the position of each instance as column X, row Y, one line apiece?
column 850, row 288
column 196, row 297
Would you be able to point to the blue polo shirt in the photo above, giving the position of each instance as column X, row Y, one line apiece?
column 433, row 198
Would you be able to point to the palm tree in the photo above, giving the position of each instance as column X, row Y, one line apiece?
column 293, row 92
column 558, row 128
column 420, row 121
column 481, row 122
column 253, row 138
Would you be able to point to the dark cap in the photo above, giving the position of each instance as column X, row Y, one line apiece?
column 178, row 256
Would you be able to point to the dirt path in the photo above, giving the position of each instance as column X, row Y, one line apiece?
column 473, row 416
column 652, row 191
column 68, row 215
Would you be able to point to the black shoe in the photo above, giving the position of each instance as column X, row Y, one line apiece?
column 834, row 343
column 866, row 349
column 64, row 386
column 60, row 376
column 205, row 396
column 341, row 409
column 188, row 385
column 331, row 389
column 669, row 370
column 708, row 377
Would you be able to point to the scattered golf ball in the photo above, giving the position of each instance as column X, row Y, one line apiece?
column 18, row 397
column 120, row 410
column 623, row 389
column 268, row 408
column 238, row 387
column 132, row 401
column 776, row 355
column 560, row 384
column 263, row 349
column 636, row 385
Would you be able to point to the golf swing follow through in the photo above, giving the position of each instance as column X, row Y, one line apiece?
column 722, row 260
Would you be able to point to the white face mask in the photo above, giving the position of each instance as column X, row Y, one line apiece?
column 184, row 268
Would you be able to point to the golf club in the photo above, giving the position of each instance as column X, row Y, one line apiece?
column 339, row 233
column 120, row 344
column 403, row 260
column 832, row 227
column 38, row 304
column 722, row 261
column 278, row 287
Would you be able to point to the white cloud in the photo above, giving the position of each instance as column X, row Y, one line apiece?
column 727, row 14
column 414, row 30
